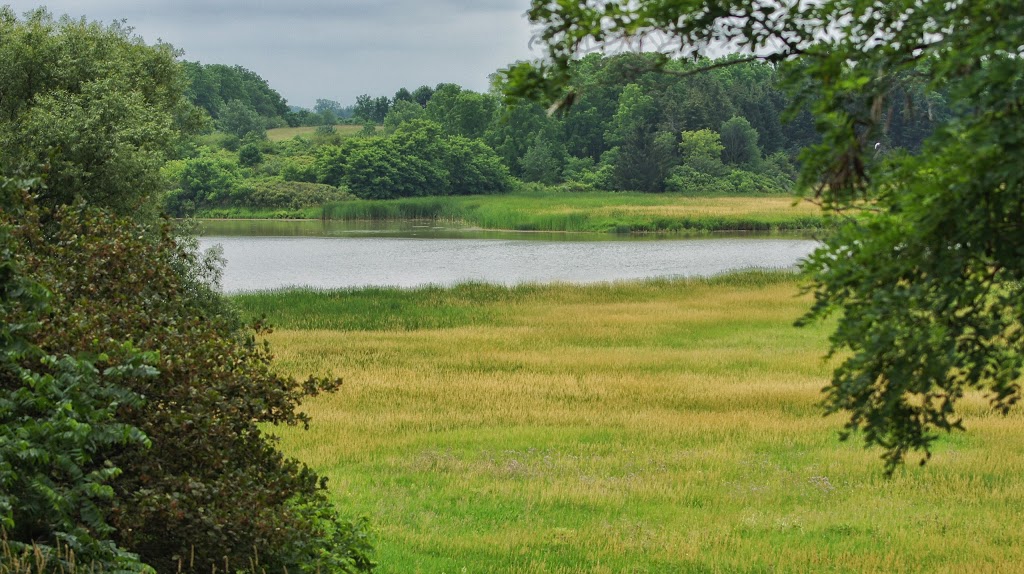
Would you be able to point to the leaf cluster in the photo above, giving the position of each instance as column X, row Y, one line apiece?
column 92, row 102
column 417, row 159
column 144, row 426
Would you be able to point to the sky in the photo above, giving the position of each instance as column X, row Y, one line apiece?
column 337, row 50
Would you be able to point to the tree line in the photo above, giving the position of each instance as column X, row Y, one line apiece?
column 634, row 125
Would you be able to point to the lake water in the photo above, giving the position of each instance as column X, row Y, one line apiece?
column 268, row 255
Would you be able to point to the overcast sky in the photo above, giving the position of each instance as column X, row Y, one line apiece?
column 309, row 49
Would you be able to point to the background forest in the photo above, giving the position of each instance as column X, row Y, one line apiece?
column 726, row 131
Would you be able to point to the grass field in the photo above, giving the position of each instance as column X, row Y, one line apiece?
column 281, row 134
column 595, row 211
column 664, row 426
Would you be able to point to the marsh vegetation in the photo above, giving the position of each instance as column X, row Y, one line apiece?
column 666, row 426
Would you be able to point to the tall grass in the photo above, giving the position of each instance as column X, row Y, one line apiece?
column 661, row 426
column 594, row 212
column 442, row 208
column 466, row 304
column 282, row 134
column 251, row 213
column 20, row 558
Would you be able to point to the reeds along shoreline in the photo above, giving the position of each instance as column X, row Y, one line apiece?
column 592, row 212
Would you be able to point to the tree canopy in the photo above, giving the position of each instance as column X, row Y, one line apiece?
column 926, row 272
column 212, row 86
column 92, row 101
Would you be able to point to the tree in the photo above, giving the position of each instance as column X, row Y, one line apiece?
column 323, row 105
column 240, row 119
column 422, row 95
column 461, row 112
column 58, row 419
column 739, row 143
column 132, row 400
column 642, row 160
column 210, row 86
column 702, row 151
column 514, row 130
column 402, row 95
column 328, row 110
column 544, row 160
column 372, row 110
column 97, row 105
column 402, row 111
column 926, row 275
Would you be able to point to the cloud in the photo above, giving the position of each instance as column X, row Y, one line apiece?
column 310, row 49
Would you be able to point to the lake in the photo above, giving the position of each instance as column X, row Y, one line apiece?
column 274, row 254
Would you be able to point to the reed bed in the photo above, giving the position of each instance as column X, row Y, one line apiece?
column 595, row 212
column 258, row 213
column 660, row 426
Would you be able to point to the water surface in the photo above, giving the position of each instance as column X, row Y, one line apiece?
column 269, row 255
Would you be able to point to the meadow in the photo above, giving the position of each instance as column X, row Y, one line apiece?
column 282, row 134
column 658, row 426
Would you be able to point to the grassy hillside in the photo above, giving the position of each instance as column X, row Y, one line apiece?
column 663, row 426
column 281, row 134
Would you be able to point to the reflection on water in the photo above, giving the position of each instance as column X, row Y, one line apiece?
column 293, row 253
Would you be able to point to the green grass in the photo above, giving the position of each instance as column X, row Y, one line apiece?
column 250, row 213
column 282, row 134
column 594, row 212
column 466, row 304
column 660, row 426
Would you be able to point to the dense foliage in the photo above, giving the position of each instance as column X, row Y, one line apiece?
column 417, row 159
column 98, row 106
column 180, row 465
column 927, row 278
column 252, row 178
column 628, row 132
column 227, row 93
column 58, row 419
column 133, row 402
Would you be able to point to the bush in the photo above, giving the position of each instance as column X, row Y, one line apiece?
column 58, row 425
column 203, row 181
column 299, row 169
column 687, row 180
column 417, row 159
column 250, row 155
column 277, row 193
column 746, row 182
column 211, row 485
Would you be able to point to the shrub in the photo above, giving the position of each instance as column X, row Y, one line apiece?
column 249, row 155
column 275, row 193
column 58, row 425
column 687, row 180
column 299, row 169
column 211, row 485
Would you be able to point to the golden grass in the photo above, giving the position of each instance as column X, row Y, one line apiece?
column 282, row 134
column 672, row 428
column 750, row 207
